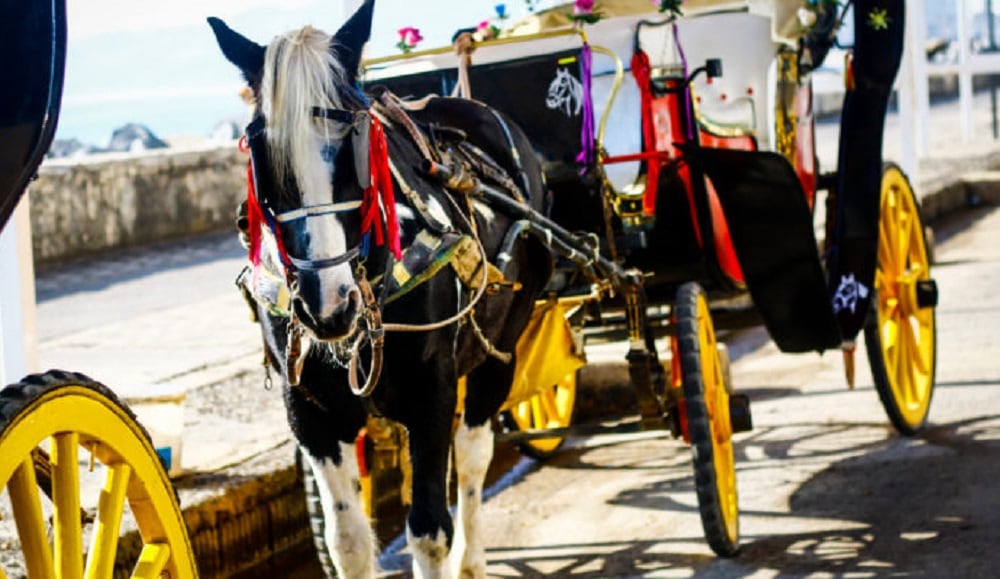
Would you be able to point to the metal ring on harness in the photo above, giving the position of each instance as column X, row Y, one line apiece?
column 375, row 334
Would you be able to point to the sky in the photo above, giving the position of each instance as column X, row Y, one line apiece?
column 157, row 63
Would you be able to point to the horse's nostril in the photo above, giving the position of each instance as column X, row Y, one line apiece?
column 345, row 290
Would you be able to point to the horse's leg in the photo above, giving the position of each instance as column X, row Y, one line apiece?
column 488, row 387
column 325, row 428
column 428, row 413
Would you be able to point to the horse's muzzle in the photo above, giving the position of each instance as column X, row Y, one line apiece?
column 336, row 326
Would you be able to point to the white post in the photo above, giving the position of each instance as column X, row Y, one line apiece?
column 18, row 336
column 908, row 86
column 964, row 72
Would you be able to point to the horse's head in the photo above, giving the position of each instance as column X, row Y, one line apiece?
column 309, row 149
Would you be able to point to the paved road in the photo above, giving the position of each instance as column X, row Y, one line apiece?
column 146, row 316
column 826, row 487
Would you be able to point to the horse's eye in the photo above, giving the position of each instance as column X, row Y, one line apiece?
column 329, row 153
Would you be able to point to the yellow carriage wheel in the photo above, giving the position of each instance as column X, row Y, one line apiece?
column 706, row 404
column 71, row 413
column 550, row 408
column 900, row 332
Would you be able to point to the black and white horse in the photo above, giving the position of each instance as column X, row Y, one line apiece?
column 311, row 209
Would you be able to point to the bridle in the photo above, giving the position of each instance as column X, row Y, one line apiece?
column 259, row 165
column 369, row 316
column 371, row 161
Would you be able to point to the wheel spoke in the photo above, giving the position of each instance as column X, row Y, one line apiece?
column 537, row 413
column 890, row 344
column 547, row 398
column 152, row 560
column 111, row 505
column 66, row 505
column 888, row 261
column 27, row 507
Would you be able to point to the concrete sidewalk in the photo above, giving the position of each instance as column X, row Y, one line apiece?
column 171, row 315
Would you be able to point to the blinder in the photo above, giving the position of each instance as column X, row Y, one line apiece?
column 265, row 187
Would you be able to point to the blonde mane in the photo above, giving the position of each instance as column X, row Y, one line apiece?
column 300, row 72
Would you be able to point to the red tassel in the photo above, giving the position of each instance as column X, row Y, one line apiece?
column 255, row 223
column 255, row 218
column 380, row 193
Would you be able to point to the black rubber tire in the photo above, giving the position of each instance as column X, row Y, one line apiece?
column 908, row 421
column 721, row 530
column 314, row 509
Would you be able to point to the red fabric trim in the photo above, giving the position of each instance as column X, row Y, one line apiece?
column 359, row 451
column 641, row 72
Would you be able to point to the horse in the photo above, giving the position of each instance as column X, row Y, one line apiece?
column 336, row 193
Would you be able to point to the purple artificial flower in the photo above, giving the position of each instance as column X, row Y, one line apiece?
column 583, row 7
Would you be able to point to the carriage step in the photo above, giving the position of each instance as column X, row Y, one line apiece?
column 739, row 413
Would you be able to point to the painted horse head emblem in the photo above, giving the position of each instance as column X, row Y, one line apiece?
column 848, row 293
column 565, row 93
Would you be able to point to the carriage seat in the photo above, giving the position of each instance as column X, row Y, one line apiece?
column 739, row 103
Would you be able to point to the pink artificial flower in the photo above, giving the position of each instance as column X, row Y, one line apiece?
column 583, row 6
column 410, row 36
column 484, row 25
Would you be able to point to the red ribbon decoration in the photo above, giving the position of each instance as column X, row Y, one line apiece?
column 380, row 190
column 641, row 72
column 255, row 217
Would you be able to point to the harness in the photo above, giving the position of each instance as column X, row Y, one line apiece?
column 375, row 172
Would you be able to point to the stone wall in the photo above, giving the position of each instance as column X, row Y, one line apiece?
column 79, row 207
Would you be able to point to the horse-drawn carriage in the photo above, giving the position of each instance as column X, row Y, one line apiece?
column 707, row 182
column 400, row 247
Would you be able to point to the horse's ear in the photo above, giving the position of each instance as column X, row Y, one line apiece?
column 350, row 40
column 246, row 54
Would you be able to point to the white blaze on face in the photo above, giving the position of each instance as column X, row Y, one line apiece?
column 300, row 73
column 326, row 233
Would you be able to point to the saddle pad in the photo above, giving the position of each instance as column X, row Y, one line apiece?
column 772, row 232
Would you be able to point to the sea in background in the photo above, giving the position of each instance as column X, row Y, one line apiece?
column 175, row 81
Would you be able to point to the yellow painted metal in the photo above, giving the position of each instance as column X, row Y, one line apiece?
column 619, row 76
column 544, row 389
column 68, row 532
column 31, row 526
column 91, row 417
column 717, row 406
column 907, row 336
column 546, row 352
column 552, row 408
column 152, row 560
column 110, row 506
